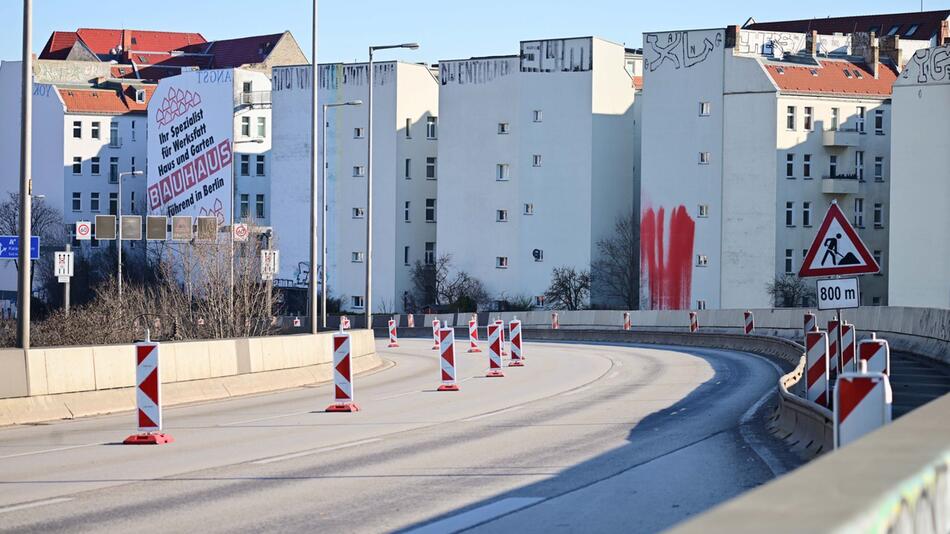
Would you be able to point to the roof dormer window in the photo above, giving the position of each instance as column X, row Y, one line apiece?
column 780, row 70
column 893, row 30
column 912, row 30
column 847, row 74
column 858, row 75
column 814, row 72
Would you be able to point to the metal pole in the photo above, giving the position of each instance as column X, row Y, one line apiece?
column 69, row 248
column 314, row 78
column 25, row 286
column 323, row 229
column 270, row 283
column 231, row 231
column 118, row 240
column 368, row 298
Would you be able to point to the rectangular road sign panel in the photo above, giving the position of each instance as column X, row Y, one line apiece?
column 840, row 293
column 131, row 228
column 156, row 228
column 207, row 228
column 270, row 259
column 182, row 229
column 63, row 263
column 105, row 227
column 83, row 230
column 10, row 247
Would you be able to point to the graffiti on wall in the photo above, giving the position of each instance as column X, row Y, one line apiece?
column 50, row 71
column 474, row 71
column 777, row 44
column 666, row 262
column 332, row 76
column 679, row 49
column 930, row 65
column 557, row 55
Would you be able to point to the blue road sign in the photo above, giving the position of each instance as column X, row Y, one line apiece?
column 10, row 247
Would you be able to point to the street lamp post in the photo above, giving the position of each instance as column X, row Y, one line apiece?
column 119, row 219
column 368, row 298
column 323, row 224
column 24, row 283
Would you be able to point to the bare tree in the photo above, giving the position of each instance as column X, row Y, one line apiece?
column 437, row 284
column 616, row 272
column 790, row 291
column 569, row 289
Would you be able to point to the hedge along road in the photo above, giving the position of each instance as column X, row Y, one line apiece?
column 585, row 437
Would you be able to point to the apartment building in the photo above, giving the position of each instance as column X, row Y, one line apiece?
column 748, row 137
column 923, row 27
column 920, row 244
column 406, row 134
column 537, row 160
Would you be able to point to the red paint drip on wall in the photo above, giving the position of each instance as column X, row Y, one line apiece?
column 667, row 267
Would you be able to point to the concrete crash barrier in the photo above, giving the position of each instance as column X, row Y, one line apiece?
column 807, row 427
column 895, row 479
column 45, row 384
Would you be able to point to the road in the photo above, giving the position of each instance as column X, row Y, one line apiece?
column 584, row 438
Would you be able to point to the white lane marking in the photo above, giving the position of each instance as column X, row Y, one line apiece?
column 477, row 516
column 36, row 504
column 268, row 418
column 490, row 414
column 44, row 451
column 316, row 451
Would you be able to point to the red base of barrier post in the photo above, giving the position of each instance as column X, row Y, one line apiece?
column 346, row 407
column 495, row 373
column 393, row 345
column 148, row 439
column 449, row 387
column 516, row 363
column 474, row 349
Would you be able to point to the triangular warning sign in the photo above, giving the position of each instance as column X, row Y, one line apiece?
column 837, row 249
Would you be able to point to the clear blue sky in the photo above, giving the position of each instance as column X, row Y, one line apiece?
column 446, row 29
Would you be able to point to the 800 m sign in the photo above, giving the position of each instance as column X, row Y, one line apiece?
column 838, row 294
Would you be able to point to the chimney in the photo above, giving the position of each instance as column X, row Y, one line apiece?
column 872, row 54
column 811, row 43
column 732, row 36
column 943, row 34
column 126, row 40
column 890, row 50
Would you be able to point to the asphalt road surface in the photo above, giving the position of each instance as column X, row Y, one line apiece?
column 583, row 438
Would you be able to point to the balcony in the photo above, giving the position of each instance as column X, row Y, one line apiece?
column 841, row 138
column 254, row 98
column 840, row 184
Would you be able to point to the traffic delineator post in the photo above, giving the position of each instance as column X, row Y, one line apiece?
column 626, row 321
column 342, row 375
column 816, row 367
column 494, row 351
column 862, row 404
column 410, row 321
column 749, row 323
column 877, row 353
column 345, row 322
column 447, row 360
column 393, row 336
column 833, row 349
column 810, row 323
column 504, row 348
column 435, row 334
column 846, row 361
column 148, row 397
column 555, row 322
column 693, row 322
column 473, row 335
column 517, row 355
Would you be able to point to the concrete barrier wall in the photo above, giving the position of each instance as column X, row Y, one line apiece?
column 63, row 382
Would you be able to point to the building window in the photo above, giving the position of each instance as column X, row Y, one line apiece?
column 405, row 212
column 808, row 118
column 133, row 129
column 95, row 130
column 501, row 215
column 879, row 259
column 703, row 211
column 430, row 168
column 878, row 215
column 790, row 118
column 262, row 127
column 501, row 262
column 245, row 205
column 133, row 164
column 77, row 201
column 408, row 128
column 700, row 304
column 114, row 140
column 77, row 129
column 245, row 165
column 538, row 115
column 833, row 166
column 259, row 206
column 114, row 204
column 247, row 87
column 790, row 214
column 114, row 170
column 408, row 172
column 806, row 166
column 878, row 168
column 245, row 126
column 702, row 260
column 356, row 257
column 704, row 108
column 536, row 160
column 911, row 31
column 430, row 253
column 260, row 165
column 538, row 255
column 502, row 172
column 430, row 210
column 790, row 165
column 359, row 171
column 357, row 301
column 704, row 158
column 859, row 120
column 539, row 301
column 806, row 213
column 94, row 166
column 859, row 165
column 358, row 213
column 879, row 122
column 131, row 201
column 503, row 128
column 94, row 202
column 835, row 118
column 357, row 133
column 789, row 268
column 77, row 165
column 529, row 208
column 859, row 212
column 432, row 127
column 405, row 255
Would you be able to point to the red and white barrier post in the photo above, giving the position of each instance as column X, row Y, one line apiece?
column 810, row 323
column 847, row 362
column 749, row 323
column 393, row 337
column 626, row 321
column 555, row 323
column 862, row 405
column 876, row 353
column 148, row 397
column 833, row 349
column 504, row 349
column 342, row 375
column 517, row 356
column 345, row 322
column 816, row 367
column 693, row 322
column 435, row 335
column 447, row 359
column 473, row 335
column 410, row 321
column 494, row 351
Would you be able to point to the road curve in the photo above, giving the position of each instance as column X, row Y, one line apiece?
column 585, row 437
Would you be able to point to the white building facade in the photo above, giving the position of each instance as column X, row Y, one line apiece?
column 537, row 160
column 405, row 147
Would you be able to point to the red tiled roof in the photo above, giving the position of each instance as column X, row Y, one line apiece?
column 102, row 41
column 59, row 45
column 232, row 53
column 105, row 101
column 927, row 22
column 830, row 78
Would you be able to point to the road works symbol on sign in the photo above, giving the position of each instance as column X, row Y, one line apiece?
column 838, row 294
column 837, row 249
